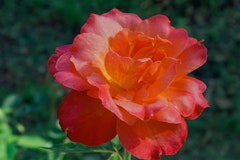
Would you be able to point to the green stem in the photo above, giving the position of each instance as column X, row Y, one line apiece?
column 126, row 155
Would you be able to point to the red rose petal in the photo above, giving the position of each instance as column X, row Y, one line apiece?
column 191, row 59
column 196, row 88
column 149, row 140
column 107, row 100
column 168, row 114
column 85, row 119
column 180, row 99
column 179, row 39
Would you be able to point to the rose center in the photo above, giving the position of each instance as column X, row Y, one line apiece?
column 138, row 46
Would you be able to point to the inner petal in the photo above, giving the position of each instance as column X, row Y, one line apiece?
column 138, row 46
column 124, row 71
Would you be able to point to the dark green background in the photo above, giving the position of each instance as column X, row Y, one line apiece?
column 31, row 29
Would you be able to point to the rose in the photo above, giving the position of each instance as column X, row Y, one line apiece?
column 129, row 77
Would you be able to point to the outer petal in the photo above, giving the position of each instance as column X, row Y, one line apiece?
column 147, row 110
column 64, row 72
column 156, row 25
column 192, row 58
column 86, row 120
column 168, row 114
column 88, row 53
column 149, row 140
column 101, row 25
column 180, row 99
column 196, row 88
column 179, row 38
column 107, row 100
column 53, row 59
column 126, row 20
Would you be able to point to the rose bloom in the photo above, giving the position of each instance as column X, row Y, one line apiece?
column 129, row 77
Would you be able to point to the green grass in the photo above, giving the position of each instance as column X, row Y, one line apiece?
column 31, row 29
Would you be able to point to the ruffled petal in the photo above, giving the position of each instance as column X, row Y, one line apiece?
column 126, row 20
column 156, row 25
column 85, row 119
column 197, row 111
column 64, row 72
column 101, row 25
column 125, row 71
column 107, row 100
column 144, row 110
column 160, row 75
column 181, row 100
column 179, row 39
column 196, row 88
column 53, row 59
column 168, row 114
column 150, row 139
column 191, row 58
column 88, row 53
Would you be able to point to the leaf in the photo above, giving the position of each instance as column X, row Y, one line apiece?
column 32, row 142
column 116, row 143
column 9, row 102
column 79, row 148
column 11, row 151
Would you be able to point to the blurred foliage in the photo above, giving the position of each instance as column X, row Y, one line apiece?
column 31, row 29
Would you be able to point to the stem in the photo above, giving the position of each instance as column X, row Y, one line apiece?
column 126, row 155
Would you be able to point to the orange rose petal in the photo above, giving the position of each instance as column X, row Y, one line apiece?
column 124, row 71
column 126, row 20
column 156, row 25
column 164, row 75
column 101, row 25
column 79, row 114
column 150, row 139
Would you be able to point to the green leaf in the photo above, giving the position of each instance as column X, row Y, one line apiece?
column 32, row 142
column 116, row 143
column 3, row 149
column 9, row 102
column 79, row 148
column 7, row 149
column 11, row 151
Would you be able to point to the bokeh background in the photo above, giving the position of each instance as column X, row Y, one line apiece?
column 31, row 29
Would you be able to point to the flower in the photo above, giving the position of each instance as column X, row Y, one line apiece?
column 129, row 77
